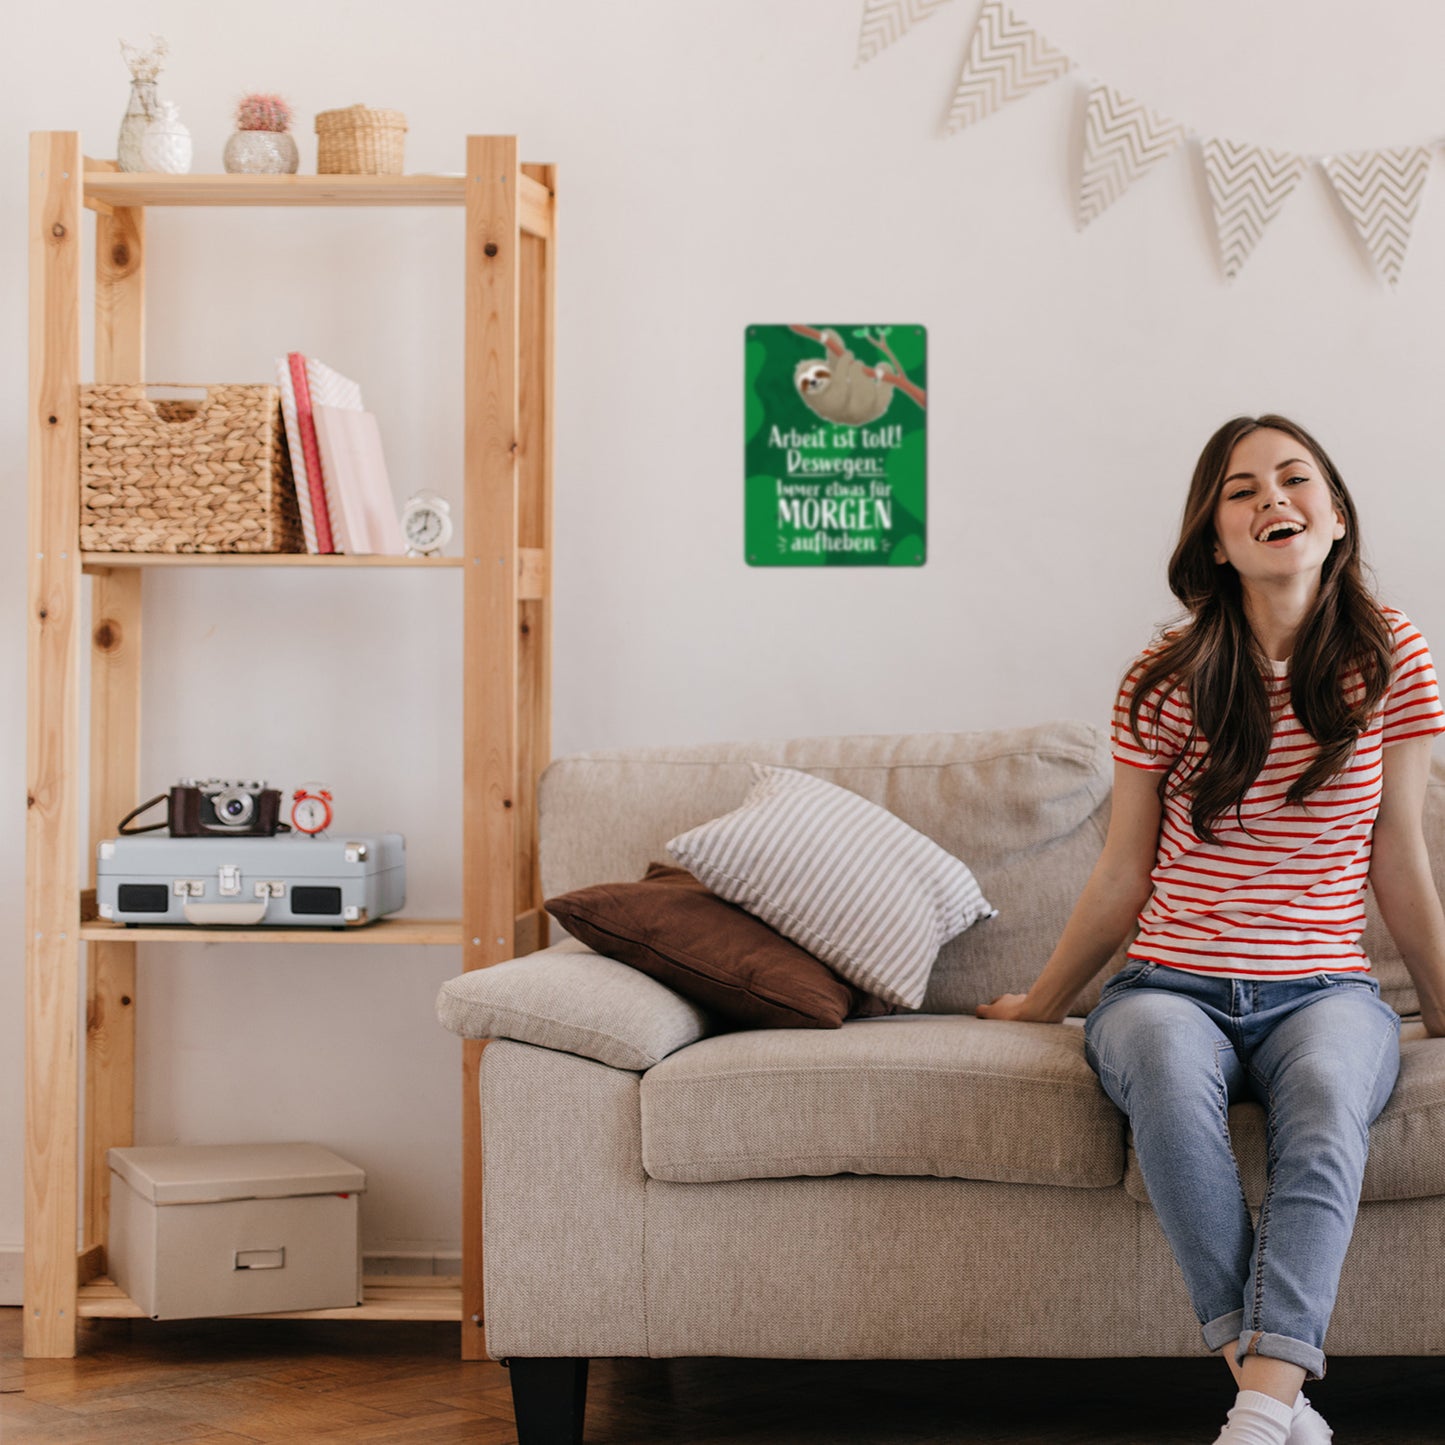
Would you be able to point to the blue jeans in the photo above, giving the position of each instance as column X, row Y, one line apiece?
column 1173, row 1050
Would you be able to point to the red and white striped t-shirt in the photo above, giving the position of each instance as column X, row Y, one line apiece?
column 1285, row 899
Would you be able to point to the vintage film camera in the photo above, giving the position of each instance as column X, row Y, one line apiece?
column 214, row 806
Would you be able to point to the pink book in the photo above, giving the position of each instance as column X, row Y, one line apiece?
column 363, row 508
column 306, row 425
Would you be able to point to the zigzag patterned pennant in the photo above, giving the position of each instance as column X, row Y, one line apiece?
column 1122, row 140
column 1007, row 58
column 1248, row 186
column 1381, row 190
column 885, row 21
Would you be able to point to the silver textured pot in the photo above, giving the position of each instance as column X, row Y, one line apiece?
column 261, row 153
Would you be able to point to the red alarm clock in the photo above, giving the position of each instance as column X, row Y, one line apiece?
column 311, row 809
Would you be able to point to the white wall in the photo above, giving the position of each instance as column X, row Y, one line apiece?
column 721, row 164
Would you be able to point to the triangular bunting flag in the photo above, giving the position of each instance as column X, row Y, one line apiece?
column 1381, row 190
column 1248, row 186
column 1006, row 59
column 885, row 21
column 1122, row 140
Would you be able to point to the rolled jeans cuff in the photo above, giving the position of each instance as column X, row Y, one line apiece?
column 1223, row 1331
column 1282, row 1347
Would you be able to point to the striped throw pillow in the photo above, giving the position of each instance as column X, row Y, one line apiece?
column 843, row 878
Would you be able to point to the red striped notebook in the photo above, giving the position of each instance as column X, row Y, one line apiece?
column 306, row 427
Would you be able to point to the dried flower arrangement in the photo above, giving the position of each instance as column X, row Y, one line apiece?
column 144, row 64
column 143, row 107
column 261, row 111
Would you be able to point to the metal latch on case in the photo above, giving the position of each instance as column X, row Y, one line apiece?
column 260, row 1259
column 228, row 877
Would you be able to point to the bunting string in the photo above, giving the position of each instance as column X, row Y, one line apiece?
column 1124, row 139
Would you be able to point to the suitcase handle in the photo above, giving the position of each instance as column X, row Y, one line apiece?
column 237, row 913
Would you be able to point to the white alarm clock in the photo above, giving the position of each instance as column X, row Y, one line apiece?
column 426, row 524
column 311, row 809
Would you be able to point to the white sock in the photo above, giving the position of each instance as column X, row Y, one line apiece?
column 1257, row 1419
column 1307, row 1425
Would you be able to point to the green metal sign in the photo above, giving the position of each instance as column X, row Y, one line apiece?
column 836, row 451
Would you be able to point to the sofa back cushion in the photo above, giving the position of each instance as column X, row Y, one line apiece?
column 1025, row 808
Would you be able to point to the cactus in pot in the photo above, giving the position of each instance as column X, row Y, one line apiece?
column 262, row 143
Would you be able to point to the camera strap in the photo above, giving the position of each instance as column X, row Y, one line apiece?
column 145, row 807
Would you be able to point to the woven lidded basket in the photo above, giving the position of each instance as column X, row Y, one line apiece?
column 359, row 142
column 186, row 476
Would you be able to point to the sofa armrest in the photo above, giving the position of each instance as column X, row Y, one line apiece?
column 575, row 1001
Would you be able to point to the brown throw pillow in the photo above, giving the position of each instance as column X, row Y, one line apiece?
column 670, row 927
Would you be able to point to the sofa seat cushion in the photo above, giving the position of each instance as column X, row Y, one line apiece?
column 952, row 1097
column 1407, row 1141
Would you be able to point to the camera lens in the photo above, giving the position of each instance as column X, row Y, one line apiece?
column 234, row 807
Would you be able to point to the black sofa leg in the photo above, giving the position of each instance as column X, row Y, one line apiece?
column 549, row 1398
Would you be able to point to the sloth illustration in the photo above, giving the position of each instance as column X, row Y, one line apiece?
column 840, row 388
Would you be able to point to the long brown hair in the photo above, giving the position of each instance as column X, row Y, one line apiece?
column 1219, row 663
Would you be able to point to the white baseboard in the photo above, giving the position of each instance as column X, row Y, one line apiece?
column 12, row 1268
column 12, row 1274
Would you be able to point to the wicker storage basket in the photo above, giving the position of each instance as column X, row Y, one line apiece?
column 359, row 142
column 186, row 476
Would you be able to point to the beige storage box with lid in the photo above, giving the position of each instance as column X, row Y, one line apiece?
column 235, row 1229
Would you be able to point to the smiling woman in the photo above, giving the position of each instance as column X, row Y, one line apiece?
column 1271, row 758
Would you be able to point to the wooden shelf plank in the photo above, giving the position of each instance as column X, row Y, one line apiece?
column 532, row 566
column 386, row 1297
column 146, row 188
column 385, row 930
column 143, row 188
column 93, row 561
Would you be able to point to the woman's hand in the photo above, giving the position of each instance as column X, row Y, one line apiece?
column 1109, row 905
column 1011, row 1006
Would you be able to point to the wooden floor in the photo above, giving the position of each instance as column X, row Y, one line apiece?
column 136, row 1383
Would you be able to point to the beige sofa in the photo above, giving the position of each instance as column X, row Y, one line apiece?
column 916, row 1186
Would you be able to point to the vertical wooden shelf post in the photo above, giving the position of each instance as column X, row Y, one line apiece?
column 489, row 711
column 52, row 892
column 538, row 291
column 115, row 639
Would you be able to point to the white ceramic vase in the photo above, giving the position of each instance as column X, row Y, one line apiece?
column 261, row 152
column 142, row 110
column 166, row 146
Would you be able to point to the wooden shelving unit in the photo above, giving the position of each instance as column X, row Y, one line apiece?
column 508, row 269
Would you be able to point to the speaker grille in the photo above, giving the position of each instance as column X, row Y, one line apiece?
column 143, row 898
column 316, row 900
